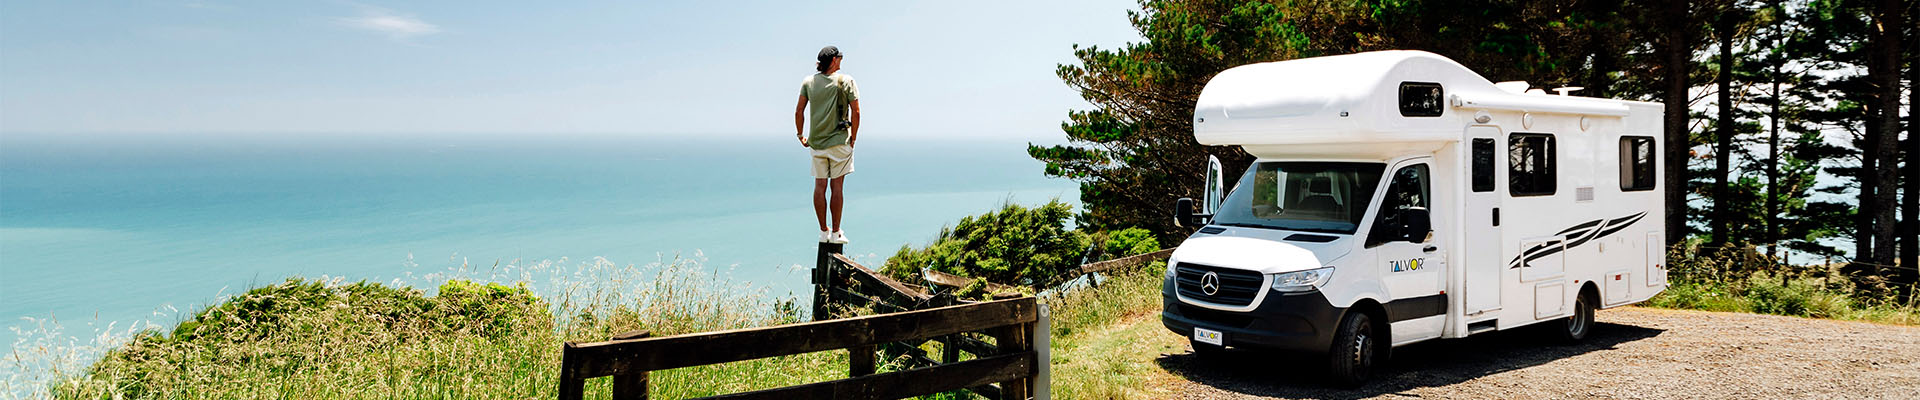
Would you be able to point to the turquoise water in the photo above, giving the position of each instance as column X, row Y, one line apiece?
column 114, row 228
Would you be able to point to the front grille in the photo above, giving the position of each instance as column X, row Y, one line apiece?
column 1237, row 287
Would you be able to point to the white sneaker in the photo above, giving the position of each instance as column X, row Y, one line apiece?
column 826, row 237
column 839, row 237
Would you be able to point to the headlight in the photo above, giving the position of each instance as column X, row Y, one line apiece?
column 1301, row 281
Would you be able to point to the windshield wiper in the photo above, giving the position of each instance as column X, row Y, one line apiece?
column 1323, row 230
column 1302, row 229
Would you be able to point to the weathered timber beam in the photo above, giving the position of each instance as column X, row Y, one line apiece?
column 946, row 279
column 1122, row 262
column 864, row 275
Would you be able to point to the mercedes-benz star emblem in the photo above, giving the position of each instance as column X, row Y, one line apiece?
column 1210, row 283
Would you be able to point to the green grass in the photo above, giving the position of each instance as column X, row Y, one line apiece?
column 1105, row 340
column 1799, row 296
column 1740, row 278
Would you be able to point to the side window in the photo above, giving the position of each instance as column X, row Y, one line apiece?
column 1482, row 165
column 1421, row 99
column 1530, row 163
column 1636, row 163
column 1408, row 190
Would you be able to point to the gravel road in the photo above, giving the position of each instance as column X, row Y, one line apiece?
column 1632, row 353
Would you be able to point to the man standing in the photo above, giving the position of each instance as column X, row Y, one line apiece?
column 835, row 103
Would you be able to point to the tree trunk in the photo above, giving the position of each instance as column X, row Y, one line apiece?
column 1723, row 129
column 1677, row 48
column 1603, row 47
column 1883, row 72
column 1910, row 202
column 1772, row 236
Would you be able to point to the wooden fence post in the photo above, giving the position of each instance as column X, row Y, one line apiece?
column 1010, row 340
column 823, row 279
column 631, row 385
column 950, row 349
column 860, row 361
column 572, row 386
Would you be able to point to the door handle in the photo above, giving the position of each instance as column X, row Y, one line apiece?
column 1430, row 249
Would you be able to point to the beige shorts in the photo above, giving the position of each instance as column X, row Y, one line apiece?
column 833, row 162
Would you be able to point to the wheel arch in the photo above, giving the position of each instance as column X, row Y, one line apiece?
column 1378, row 312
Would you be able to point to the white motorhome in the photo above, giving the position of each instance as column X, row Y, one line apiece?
column 1399, row 197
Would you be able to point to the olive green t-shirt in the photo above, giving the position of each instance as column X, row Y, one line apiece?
column 826, row 96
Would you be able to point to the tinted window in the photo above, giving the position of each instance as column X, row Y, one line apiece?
column 1483, row 165
column 1421, row 99
column 1636, row 163
column 1530, row 162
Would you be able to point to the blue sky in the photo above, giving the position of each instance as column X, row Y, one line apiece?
column 926, row 69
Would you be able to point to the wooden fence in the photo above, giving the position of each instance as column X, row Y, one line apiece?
column 1014, row 366
column 1010, row 361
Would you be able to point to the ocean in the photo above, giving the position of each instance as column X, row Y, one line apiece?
column 111, row 229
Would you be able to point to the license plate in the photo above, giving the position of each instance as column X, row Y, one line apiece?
column 1208, row 336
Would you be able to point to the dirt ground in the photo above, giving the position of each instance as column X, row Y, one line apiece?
column 1637, row 353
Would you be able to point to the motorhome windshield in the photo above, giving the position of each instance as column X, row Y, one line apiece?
column 1305, row 196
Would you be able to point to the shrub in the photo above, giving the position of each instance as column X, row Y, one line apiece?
column 1771, row 297
column 1130, row 241
column 1011, row 245
column 489, row 309
column 1018, row 246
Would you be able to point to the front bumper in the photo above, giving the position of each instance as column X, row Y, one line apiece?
column 1291, row 321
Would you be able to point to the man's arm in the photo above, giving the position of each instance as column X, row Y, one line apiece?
column 800, row 120
column 853, row 134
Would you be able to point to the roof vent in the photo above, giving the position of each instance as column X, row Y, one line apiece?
column 1515, row 87
column 1567, row 89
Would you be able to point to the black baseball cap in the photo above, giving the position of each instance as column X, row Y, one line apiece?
column 828, row 53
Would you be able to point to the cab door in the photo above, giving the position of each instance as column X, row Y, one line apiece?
column 1411, row 260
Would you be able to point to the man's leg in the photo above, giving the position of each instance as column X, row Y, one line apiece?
column 820, row 203
column 838, row 199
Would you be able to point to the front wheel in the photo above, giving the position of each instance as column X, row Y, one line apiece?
column 1581, row 322
column 1354, row 345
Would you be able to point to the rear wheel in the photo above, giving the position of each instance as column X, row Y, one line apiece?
column 1355, row 344
column 1581, row 322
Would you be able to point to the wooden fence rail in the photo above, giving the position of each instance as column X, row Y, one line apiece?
column 1122, row 262
column 1015, row 324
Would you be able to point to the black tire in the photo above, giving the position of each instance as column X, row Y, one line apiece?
column 1207, row 351
column 1356, row 347
column 1578, row 325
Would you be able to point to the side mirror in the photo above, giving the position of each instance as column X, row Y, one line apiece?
column 1183, row 212
column 1415, row 224
column 1184, row 217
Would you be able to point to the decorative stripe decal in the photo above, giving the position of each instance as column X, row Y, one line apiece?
column 1618, row 224
column 1575, row 236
